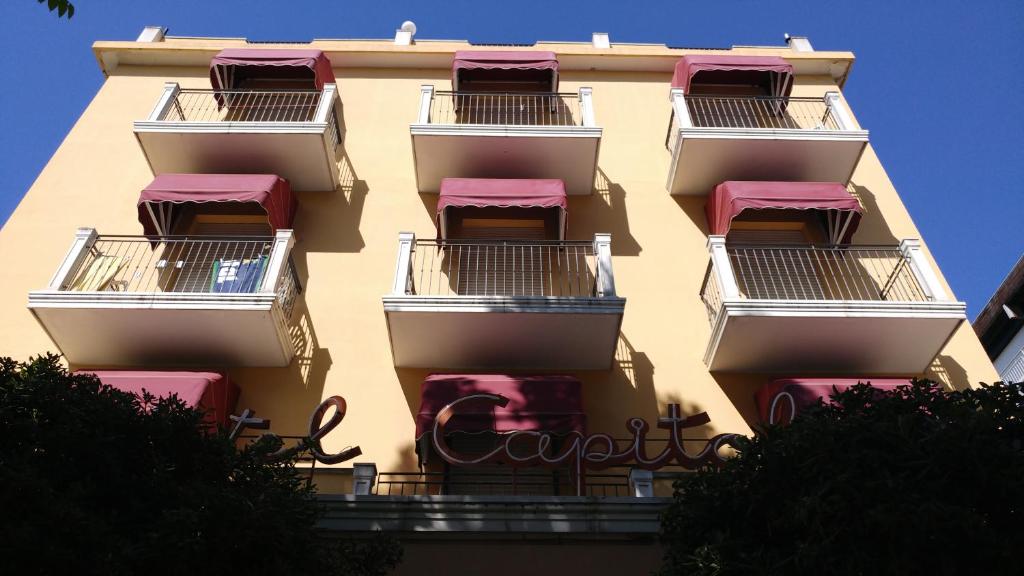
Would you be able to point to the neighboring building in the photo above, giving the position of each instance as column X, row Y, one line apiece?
column 999, row 326
column 406, row 223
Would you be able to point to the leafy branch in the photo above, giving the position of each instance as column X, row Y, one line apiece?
column 63, row 7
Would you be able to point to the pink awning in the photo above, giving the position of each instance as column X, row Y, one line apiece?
column 210, row 391
column 842, row 211
column 500, row 193
column 505, row 60
column 540, row 403
column 772, row 72
column 231, row 66
column 780, row 400
column 270, row 192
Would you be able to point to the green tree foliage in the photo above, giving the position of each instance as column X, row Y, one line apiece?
column 97, row 481
column 916, row 481
column 63, row 7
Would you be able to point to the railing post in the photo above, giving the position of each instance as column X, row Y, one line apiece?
column 922, row 269
column 641, row 483
column 84, row 239
column 325, row 107
column 403, row 267
column 721, row 267
column 166, row 100
column 838, row 111
column 426, row 97
column 364, row 476
column 682, row 113
column 278, row 265
column 603, row 256
column 587, row 107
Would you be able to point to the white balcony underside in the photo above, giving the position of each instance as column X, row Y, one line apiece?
column 705, row 157
column 503, row 333
column 863, row 338
column 131, row 329
column 298, row 151
column 568, row 153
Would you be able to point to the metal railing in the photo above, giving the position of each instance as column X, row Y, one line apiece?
column 510, row 482
column 770, row 112
column 502, row 268
column 506, row 108
column 1014, row 371
column 196, row 105
column 180, row 264
column 830, row 273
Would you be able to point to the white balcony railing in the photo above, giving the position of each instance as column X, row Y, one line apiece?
column 179, row 265
column 189, row 105
column 506, row 108
column 505, row 268
column 817, row 273
column 759, row 112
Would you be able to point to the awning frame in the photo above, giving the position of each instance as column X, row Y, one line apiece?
column 556, row 188
column 271, row 192
column 542, row 60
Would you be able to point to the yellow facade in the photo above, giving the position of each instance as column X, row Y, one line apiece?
column 346, row 239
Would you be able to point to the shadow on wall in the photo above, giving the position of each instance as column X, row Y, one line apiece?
column 740, row 390
column 329, row 221
column 288, row 395
column 694, row 208
column 948, row 372
column 603, row 212
column 873, row 228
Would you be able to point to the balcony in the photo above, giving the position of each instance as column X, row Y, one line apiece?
column 860, row 310
column 506, row 135
column 719, row 138
column 167, row 300
column 293, row 133
column 460, row 304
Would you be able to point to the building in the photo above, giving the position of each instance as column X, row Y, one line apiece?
column 594, row 231
column 999, row 326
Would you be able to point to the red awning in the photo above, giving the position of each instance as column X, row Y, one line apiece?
column 729, row 199
column 539, row 403
column 231, row 66
column 780, row 400
column 271, row 192
column 774, row 73
column 504, row 60
column 211, row 391
column 500, row 193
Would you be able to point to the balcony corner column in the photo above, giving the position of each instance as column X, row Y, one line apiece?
column 426, row 97
column 326, row 103
column 587, row 107
column 84, row 240
column 605, row 275
column 838, row 111
column 167, row 99
column 721, row 267
column 682, row 113
column 403, row 266
column 641, row 483
column 922, row 269
column 278, row 265
column 364, row 476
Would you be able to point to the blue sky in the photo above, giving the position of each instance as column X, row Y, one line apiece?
column 938, row 83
